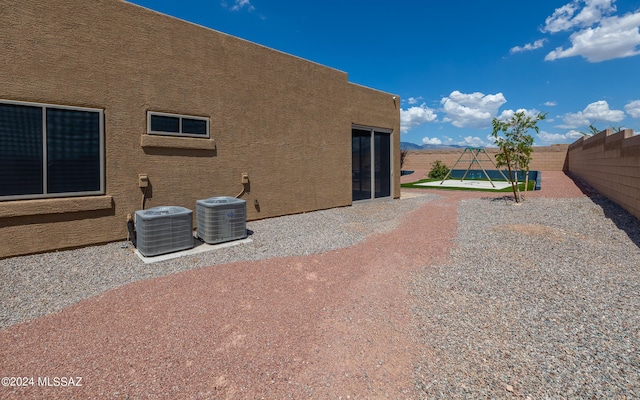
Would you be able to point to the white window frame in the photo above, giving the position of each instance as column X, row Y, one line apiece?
column 44, row 194
column 180, row 118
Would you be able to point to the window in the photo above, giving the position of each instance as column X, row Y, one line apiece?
column 50, row 151
column 177, row 125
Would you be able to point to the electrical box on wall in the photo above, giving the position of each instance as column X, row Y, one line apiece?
column 245, row 178
column 143, row 180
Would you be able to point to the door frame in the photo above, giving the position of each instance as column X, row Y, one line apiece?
column 373, row 131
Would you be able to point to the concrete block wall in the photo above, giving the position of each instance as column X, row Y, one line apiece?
column 610, row 163
column 544, row 158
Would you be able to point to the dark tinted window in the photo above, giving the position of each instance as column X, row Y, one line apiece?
column 49, row 150
column 73, row 151
column 162, row 123
column 177, row 125
column 20, row 150
column 194, row 126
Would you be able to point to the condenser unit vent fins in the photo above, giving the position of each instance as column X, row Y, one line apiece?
column 221, row 219
column 163, row 230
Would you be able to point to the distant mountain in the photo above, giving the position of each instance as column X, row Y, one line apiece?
column 441, row 146
column 413, row 146
column 409, row 146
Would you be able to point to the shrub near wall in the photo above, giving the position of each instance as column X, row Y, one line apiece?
column 610, row 163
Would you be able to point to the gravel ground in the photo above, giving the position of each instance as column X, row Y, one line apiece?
column 333, row 324
column 36, row 285
column 446, row 295
column 539, row 301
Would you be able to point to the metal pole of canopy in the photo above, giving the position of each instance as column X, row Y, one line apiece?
column 496, row 167
column 475, row 151
column 480, row 164
column 471, row 150
column 454, row 165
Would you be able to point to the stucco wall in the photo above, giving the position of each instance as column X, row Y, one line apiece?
column 543, row 158
column 283, row 120
column 610, row 163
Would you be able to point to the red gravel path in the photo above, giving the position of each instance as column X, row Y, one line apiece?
column 322, row 326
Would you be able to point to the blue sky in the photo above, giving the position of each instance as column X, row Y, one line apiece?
column 458, row 64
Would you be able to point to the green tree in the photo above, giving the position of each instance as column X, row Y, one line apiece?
column 515, row 145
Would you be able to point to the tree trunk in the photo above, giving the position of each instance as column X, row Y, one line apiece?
column 506, row 156
column 526, row 185
column 517, row 184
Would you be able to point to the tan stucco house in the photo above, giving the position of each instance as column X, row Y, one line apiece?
column 96, row 96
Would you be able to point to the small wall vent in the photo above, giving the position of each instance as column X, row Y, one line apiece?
column 163, row 230
column 221, row 219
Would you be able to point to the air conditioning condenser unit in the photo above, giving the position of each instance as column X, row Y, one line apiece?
column 221, row 219
column 161, row 230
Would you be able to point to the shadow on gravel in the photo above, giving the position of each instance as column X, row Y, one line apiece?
column 506, row 198
column 618, row 215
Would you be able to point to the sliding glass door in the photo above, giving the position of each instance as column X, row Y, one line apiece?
column 382, row 158
column 361, row 164
column 371, row 163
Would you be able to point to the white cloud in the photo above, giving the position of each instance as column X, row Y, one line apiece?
column 550, row 103
column 475, row 110
column 414, row 100
column 507, row 114
column 239, row 5
column 578, row 14
column 491, row 141
column 528, row 47
column 633, row 108
column 474, row 141
column 615, row 37
column 427, row 140
column 549, row 138
column 597, row 111
column 414, row 116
